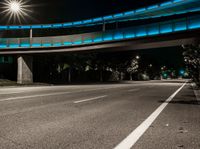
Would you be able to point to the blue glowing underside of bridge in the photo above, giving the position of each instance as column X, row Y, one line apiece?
column 172, row 26
column 167, row 8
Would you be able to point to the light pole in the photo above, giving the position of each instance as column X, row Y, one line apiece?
column 31, row 36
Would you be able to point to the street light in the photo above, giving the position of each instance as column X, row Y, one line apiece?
column 17, row 9
column 137, row 57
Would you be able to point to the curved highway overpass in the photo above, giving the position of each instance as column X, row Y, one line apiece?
column 168, row 8
column 68, row 42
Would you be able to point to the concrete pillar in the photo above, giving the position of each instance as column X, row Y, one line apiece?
column 24, row 70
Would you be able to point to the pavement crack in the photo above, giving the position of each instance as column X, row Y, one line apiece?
column 182, row 130
column 180, row 146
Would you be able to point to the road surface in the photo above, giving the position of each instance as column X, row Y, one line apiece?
column 139, row 115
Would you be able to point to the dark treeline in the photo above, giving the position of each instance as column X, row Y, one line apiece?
column 81, row 67
column 107, row 66
column 75, row 67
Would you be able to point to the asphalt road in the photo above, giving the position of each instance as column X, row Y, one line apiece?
column 100, row 116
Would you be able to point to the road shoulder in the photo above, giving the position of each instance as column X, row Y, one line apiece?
column 177, row 127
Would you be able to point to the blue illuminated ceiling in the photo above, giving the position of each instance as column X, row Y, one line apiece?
column 167, row 8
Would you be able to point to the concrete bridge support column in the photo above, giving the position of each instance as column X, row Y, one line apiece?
column 24, row 70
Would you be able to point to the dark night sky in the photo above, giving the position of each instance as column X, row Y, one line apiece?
column 54, row 11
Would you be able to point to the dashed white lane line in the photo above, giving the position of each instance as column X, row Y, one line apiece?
column 133, row 90
column 34, row 96
column 90, row 99
column 134, row 136
column 11, row 93
column 52, row 94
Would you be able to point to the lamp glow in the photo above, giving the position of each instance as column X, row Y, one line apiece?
column 16, row 10
column 15, row 6
column 137, row 57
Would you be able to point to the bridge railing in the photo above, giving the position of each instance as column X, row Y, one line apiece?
column 171, row 26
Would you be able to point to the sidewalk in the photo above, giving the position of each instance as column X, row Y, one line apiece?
column 8, row 83
column 4, row 82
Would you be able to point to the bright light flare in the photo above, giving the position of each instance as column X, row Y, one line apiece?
column 137, row 57
column 16, row 10
column 15, row 7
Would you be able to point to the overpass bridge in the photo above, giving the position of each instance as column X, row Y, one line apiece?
column 174, row 32
column 96, row 40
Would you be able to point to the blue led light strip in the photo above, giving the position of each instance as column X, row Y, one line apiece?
column 171, row 26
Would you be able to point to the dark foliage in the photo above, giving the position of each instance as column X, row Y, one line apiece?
column 192, row 60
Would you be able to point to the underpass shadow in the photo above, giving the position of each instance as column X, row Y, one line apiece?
column 188, row 102
column 188, row 98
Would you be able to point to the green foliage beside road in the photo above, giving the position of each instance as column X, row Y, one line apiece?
column 192, row 60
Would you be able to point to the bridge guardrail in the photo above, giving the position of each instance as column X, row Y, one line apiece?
column 183, row 24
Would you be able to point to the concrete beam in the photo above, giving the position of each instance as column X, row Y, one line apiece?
column 24, row 72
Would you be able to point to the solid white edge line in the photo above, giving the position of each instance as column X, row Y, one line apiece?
column 134, row 136
column 89, row 99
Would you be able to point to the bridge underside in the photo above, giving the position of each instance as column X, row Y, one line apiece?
column 25, row 59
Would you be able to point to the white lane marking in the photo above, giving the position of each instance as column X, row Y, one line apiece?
column 11, row 93
column 132, row 90
column 33, row 96
column 150, row 86
column 89, row 99
column 53, row 94
column 134, row 136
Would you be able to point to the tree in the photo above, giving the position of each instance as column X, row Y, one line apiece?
column 133, row 67
column 192, row 60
